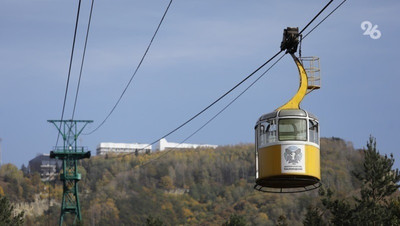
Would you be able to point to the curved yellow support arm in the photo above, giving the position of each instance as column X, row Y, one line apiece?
column 294, row 103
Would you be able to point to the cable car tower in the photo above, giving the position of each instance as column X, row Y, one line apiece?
column 70, row 153
column 287, row 140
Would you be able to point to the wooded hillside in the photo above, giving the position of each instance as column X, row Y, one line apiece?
column 184, row 187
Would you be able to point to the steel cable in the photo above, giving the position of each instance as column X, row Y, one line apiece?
column 70, row 66
column 133, row 75
column 233, row 89
column 83, row 59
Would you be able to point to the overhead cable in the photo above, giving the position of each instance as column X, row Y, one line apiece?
column 324, row 19
column 218, row 99
column 315, row 17
column 230, row 103
column 237, row 85
column 133, row 75
column 216, row 102
column 216, row 115
column 174, row 130
column 83, row 60
column 70, row 66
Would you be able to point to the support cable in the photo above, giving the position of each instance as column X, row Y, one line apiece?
column 221, row 97
column 239, row 84
column 315, row 17
column 324, row 19
column 70, row 66
column 216, row 115
column 195, row 116
column 133, row 75
column 230, row 103
column 218, row 99
column 223, row 109
column 83, row 60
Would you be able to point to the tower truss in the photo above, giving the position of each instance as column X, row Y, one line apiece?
column 70, row 153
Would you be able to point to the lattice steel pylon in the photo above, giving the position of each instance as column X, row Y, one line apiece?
column 70, row 153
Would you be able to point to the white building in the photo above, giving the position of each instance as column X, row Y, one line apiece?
column 163, row 144
column 117, row 148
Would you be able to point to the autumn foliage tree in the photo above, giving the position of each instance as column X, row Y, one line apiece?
column 185, row 187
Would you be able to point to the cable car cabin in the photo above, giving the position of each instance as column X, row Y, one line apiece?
column 287, row 140
column 287, row 151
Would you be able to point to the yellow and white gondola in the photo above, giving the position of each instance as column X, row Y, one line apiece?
column 287, row 140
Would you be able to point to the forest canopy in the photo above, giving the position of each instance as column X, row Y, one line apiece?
column 186, row 187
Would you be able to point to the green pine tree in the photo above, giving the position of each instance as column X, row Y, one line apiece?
column 7, row 216
column 235, row 220
column 379, row 182
column 151, row 221
column 340, row 209
column 313, row 217
column 375, row 204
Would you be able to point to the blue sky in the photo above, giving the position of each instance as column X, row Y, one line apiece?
column 202, row 50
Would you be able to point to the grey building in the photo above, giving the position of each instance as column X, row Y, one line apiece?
column 45, row 166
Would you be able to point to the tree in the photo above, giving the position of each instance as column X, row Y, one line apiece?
column 11, row 173
column 379, row 183
column 235, row 220
column 282, row 221
column 340, row 210
column 151, row 221
column 166, row 183
column 24, row 170
column 313, row 217
column 375, row 204
column 7, row 216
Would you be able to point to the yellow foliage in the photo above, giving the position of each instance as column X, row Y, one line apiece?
column 187, row 212
column 146, row 190
column 167, row 206
column 110, row 209
column 263, row 216
column 103, row 209
column 43, row 195
column 166, row 183
column 1, row 191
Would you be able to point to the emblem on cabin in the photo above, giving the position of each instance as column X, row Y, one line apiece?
column 293, row 155
column 293, row 159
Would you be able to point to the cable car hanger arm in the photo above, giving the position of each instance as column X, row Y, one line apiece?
column 294, row 103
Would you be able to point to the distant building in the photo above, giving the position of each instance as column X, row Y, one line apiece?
column 163, row 144
column 118, row 148
column 45, row 166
